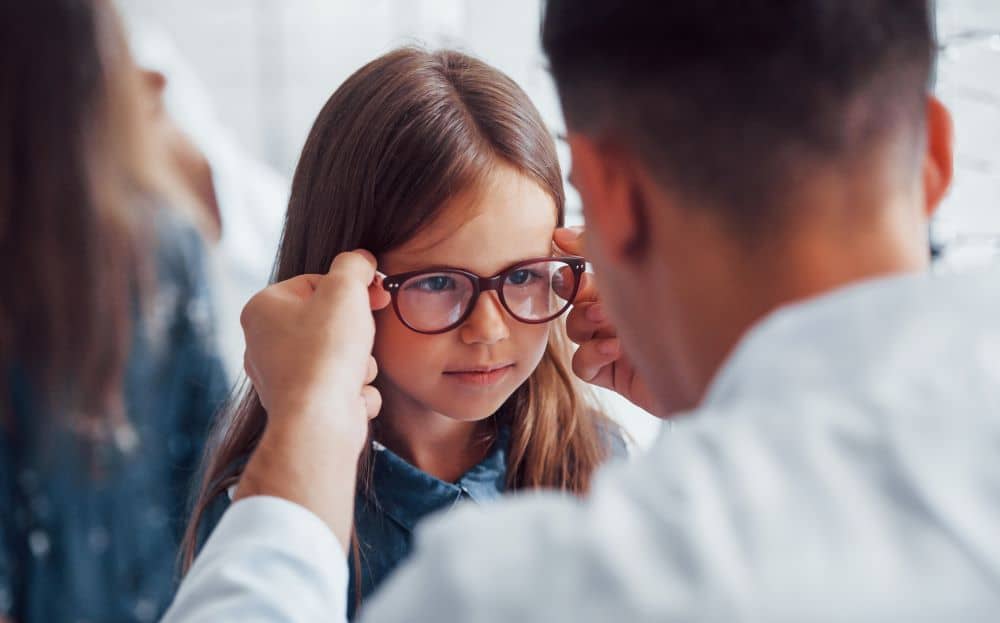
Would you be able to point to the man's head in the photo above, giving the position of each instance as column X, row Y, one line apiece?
column 735, row 155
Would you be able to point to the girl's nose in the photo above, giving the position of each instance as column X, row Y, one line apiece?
column 488, row 322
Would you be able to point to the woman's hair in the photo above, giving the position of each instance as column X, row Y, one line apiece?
column 399, row 138
column 71, row 154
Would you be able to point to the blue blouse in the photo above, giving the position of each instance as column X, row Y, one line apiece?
column 387, row 512
column 399, row 498
column 90, row 529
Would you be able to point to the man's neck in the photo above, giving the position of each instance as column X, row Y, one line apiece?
column 738, row 291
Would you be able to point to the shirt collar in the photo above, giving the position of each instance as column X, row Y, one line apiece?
column 408, row 494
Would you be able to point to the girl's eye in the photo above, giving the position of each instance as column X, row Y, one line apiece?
column 434, row 283
column 522, row 277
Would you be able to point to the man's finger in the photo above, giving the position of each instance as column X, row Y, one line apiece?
column 373, row 401
column 360, row 263
column 592, row 360
column 302, row 286
column 372, row 370
column 569, row 240
column 275, row 299
column 351, row 267
column 587, row 290
column 587, row 321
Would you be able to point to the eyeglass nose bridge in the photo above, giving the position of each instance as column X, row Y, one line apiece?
column 487, row 284
column 480, row 286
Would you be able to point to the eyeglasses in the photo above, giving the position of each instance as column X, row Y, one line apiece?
column 437, row 300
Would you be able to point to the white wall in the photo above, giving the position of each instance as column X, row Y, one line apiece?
column 969, row 83
column 270, row 64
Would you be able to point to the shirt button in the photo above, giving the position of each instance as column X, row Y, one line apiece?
column 145, row 610
column 38, row 542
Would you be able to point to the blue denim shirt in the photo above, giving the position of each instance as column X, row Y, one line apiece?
column 90, row 529
column 387, row 512
column 399, row 498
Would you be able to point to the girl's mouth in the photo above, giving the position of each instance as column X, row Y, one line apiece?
column 487, row 376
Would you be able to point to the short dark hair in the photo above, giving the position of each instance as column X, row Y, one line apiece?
column 727, row 100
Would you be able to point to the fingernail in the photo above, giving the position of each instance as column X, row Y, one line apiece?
column 609, row 347
column 595, row 313
column 570, row 233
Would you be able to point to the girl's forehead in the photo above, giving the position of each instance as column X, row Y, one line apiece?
column 506, row 220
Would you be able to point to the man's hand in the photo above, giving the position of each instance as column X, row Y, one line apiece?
column 600, row 359
column 308, row 355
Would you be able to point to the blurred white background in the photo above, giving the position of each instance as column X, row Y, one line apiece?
column 969, row 83
column 247, row 77
column 269, row 65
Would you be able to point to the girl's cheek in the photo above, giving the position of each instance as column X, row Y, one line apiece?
column 405, row 352
column 535, row 341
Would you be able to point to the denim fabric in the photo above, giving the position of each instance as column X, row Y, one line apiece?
column 90, row 528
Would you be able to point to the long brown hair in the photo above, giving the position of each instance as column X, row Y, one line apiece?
column 398, row 139
column 72, row 151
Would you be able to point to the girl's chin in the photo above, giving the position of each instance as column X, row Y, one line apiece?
column 469, row 413
column 471, row 410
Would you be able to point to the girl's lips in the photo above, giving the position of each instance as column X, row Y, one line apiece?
column 481, row 377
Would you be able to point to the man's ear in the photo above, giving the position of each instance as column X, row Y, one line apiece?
column 614, row 202
column 939, row 159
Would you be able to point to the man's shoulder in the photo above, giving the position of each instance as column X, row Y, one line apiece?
column 729, row 512
column 535, row 556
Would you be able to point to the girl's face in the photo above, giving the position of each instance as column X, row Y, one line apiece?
column 466, row 374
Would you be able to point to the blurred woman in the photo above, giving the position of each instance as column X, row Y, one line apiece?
column 108, row 378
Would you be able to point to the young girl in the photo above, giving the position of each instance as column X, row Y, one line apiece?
column 441, row 166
